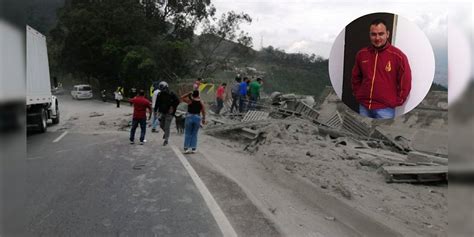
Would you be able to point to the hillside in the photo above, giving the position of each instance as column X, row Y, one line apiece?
column 281, row 71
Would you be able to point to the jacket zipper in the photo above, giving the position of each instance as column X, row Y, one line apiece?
column 373, row 80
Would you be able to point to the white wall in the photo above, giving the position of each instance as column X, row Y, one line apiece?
column 336, row 63
column 413, row 42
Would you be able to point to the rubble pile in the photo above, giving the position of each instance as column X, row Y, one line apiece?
column 365, row 164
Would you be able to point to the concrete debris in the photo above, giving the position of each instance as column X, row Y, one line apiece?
column 344, row 191
column 272, row 210
column 400, row 145
column 372, row 162
column 330, row 218
column 95, row 114
column 351, row 143
column 420, row 157
column 123, row 124
column 290, row 119
column 415, row 174
column 138, row 166
column 350, row 158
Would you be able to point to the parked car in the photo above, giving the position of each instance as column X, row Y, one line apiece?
column 81, row 92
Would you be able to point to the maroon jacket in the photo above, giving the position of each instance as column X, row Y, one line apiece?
column 140, row 105
column 381, row 78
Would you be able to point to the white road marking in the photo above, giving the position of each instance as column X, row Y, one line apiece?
column 216, row 211
column 60, row 137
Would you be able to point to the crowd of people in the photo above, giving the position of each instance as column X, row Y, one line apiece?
column 164, row 103
column 244, row 93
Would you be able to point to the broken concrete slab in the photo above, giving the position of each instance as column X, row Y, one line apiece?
column 416, row 157
column 351, row 143
column 250, row 133
column 415, row 174
column 379, row 132
column 384, row 154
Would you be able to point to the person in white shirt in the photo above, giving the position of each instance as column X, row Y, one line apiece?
column 155, row 122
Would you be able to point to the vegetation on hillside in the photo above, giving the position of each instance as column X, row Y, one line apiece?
column 438, row 87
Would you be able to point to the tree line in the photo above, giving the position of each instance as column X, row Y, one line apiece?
column 135, row 42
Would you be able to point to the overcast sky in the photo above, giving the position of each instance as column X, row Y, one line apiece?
column 311, row 26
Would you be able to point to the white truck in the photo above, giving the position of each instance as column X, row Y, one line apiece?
column 41, row 105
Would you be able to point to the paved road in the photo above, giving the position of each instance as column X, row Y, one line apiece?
column 89, row 185
column 84, row 179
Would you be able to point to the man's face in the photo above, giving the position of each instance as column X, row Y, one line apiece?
column 378, row 35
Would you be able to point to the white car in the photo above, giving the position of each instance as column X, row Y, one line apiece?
column 81, row 92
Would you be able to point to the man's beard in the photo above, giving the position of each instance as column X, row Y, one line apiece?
column 381, row 47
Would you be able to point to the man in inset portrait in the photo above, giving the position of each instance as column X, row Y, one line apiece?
column 381, row 76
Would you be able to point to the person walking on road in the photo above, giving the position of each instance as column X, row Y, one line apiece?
column 155, row 121
column 140, row 107
column 118, row 95
column 220, row 96
column 166, row 104
column 196, row 114
column 235, row 94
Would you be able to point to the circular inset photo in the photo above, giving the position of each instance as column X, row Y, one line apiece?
column 381, row 65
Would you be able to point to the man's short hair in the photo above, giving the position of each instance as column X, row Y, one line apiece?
column 199, row 79
column 379, row 21
column 195, row 94
column 224, row 84
column 259, row 79
column 141, row 93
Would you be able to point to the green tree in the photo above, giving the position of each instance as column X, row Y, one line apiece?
column 138, row 67
column 114, row 40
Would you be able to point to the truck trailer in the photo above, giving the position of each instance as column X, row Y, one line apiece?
column 41, row 105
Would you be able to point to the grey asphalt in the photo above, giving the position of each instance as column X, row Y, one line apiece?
column 99, row 185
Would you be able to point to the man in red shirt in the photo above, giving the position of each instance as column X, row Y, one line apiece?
column 140, row 106
column 220, row 97
column 381, row 76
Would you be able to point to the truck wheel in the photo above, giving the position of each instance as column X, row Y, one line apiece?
column 56, row 120
column 43, row 123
